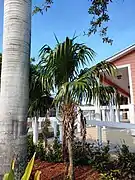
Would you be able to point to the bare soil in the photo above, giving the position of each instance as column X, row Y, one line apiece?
column 56, row 171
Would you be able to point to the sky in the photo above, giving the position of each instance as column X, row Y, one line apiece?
column 66, row 17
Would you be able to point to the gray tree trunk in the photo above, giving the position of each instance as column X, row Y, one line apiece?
column 14, row 81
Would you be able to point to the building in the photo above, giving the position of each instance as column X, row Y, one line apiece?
column 124, row 82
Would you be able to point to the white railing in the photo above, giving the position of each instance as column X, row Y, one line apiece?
column 110, row 116
column 108, row 113
column 107, row 117
column 35, row 126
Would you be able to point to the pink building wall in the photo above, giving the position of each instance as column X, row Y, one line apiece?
column 126, row 60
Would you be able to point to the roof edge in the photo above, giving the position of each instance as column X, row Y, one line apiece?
column 121, row 53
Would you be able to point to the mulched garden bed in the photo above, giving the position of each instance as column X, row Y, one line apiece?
column 55, row 171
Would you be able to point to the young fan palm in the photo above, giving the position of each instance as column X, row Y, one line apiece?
column 62, row 66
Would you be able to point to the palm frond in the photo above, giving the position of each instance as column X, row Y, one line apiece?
column 56, row 38
column 87, row 86
column 62, row 63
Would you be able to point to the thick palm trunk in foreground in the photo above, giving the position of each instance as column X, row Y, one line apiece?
column 14, row 81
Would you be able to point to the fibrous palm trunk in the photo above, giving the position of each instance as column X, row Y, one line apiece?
column 71, row 164
column 14, row 81
column 83, row 129
column 69, row 119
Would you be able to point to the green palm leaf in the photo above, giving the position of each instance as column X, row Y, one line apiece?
column 87, row 85
column 62, row 64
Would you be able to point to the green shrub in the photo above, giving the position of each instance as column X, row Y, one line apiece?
column 30, row 147
column 57, row 150
column 40, row 151
column 123, row 168
column 126, row 162
column 111, row 175
column 54, row 152
column 93, row 154
column 99, row 157
column 80, row 154
column 20, row 165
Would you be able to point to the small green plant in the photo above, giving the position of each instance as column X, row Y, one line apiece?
column 30, row 147
column 111, row 175
column 45, row 131
column 100, row 158
column 54, row 151
column 20, row 165
column 57, row 150
column 92, row 153
column 120, row 168
column 40, row 150
column 28, row 170
column 126, row 162
column 80, row 154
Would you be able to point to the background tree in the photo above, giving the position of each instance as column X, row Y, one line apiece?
column 40, row 98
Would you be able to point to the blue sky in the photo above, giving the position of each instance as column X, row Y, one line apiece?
column 67, row 16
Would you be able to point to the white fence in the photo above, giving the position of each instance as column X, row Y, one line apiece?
column 109, row 113
column 111, row 117
column 103, row 117
column 35, row 126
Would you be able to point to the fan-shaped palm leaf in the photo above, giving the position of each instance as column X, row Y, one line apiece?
column 62, row 64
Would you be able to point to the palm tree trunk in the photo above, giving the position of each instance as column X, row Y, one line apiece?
column 64, row 141
column 69, row 115
column 14, row 81
column 71, row 166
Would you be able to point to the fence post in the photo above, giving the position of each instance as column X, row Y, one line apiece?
column 55, row 128
column 132, row 113
column 117, row 113
column 61, row 132
column 98, row 118
column 99, row 133
column 103, row 117
column 40, row 122
column 78, row 121
column 112, row 116
column 35, row 130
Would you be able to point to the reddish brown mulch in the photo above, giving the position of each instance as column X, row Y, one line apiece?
column 55, row 171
